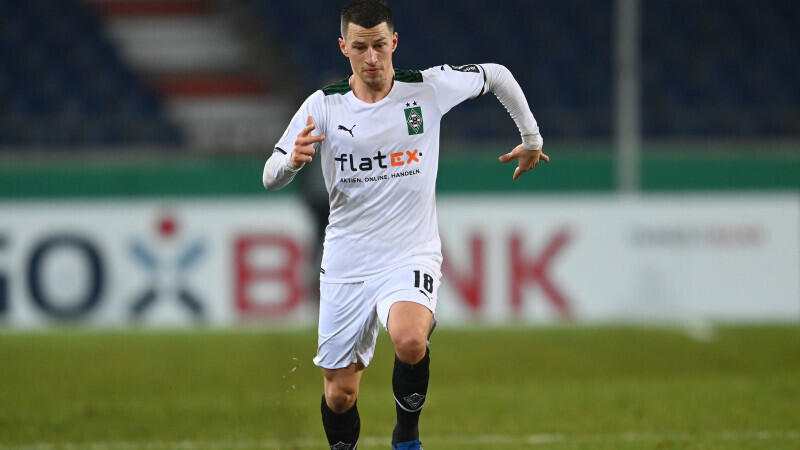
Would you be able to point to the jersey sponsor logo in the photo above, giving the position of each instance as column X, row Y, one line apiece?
column 414, row 119
column 346, row 160
column 349, row 130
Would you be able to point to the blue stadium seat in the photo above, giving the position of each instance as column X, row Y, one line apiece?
column 558, row 70
column 710, row 67
column 721, row 68
column 63, row 83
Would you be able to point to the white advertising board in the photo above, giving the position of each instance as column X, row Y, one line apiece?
column 612, row 258
column 526, row 259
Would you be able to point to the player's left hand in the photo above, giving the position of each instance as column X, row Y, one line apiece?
column 526, row 159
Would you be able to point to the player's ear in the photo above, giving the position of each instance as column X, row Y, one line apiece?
column 343, row 47
column 394, row 41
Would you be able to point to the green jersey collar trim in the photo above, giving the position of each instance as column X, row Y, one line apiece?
column 340, row 87
column 402, row 75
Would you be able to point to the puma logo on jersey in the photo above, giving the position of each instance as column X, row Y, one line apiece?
column 349, row 130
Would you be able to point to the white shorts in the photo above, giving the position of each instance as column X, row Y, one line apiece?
column 349, row 313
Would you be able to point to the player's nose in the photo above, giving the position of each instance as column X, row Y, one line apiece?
column 372, row 56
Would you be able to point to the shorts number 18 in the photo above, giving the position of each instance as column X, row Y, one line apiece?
column 426, row 279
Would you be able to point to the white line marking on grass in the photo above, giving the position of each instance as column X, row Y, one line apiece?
column 700, row 330
column 484, row 440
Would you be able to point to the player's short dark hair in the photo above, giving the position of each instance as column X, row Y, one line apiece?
column 366, row 13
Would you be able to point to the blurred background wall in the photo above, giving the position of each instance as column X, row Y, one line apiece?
column 133, row 134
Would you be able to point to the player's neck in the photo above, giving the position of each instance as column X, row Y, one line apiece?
column 370, row 94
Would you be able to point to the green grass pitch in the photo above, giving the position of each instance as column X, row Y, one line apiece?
column 554, row 388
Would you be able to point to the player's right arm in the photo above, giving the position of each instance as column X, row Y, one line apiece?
column 283, row 165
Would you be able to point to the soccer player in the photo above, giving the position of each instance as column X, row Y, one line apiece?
column 377, row 136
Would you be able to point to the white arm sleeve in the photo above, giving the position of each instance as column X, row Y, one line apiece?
column 278, row 171
column 500, row 82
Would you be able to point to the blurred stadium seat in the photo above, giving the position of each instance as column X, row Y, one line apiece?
column 103, row 73
column 63, row 84
column 567, row 75
column 711, row 68
column 715, row 68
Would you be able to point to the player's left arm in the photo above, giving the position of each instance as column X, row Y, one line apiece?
column 528, row 154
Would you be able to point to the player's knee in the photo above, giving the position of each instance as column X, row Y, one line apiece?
column 410, row 347
column 340, row 398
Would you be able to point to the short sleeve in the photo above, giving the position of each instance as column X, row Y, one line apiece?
column 455, row 84
column 311, row 107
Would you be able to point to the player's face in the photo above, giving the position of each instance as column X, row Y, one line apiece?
column 370, row 53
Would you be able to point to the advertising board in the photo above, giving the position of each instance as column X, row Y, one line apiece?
column 508, row 260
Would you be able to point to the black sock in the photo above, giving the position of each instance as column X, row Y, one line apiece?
column 410, row 384
column 341, row 429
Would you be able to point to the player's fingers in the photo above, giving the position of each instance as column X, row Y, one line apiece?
column 310, row 140
column 306, row 150
column 304, row 154
column 545, row 158
column 530, row 165
column 310, row 125
column 306, row 131
column 506, row 158
column 306, row 140
column 517, row 172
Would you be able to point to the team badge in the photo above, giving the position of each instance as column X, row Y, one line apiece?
column 414, row 119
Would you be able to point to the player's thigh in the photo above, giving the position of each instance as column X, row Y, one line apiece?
column 408, row 319
column 407, row 299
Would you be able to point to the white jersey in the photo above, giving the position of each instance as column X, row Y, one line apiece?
column 380, row 161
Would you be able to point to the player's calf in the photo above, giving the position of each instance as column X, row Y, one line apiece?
column 410, row 385
column 339, row 409
column 342, row 430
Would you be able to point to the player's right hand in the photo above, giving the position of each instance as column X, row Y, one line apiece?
column 303, row 147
